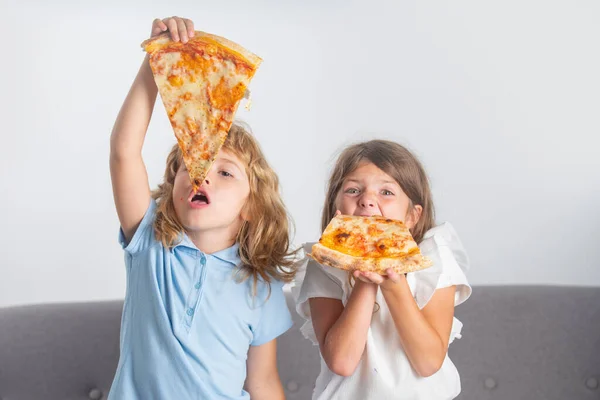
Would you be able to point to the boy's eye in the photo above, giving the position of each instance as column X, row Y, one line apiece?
column 225, row 173
column 352, row 191
column 386, row 192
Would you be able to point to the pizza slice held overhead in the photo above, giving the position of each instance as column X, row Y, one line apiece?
column 369, row 244
column 201, row 84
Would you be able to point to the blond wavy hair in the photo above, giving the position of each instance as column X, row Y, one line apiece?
column 396, row 161
column 264, row 242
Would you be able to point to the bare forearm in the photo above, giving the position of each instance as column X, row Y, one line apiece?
column 268, row 389
column 345, row 341
column 423, row 345
column 127, row 169
column 132, row 122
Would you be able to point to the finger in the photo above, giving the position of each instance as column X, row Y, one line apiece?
column 373, row 277
column 359, row 275
column 172, row 26
column 338, row 212
column 182, row 30
column 160, row 24
column 158, row 27
column 190, row 27
column 392, row 275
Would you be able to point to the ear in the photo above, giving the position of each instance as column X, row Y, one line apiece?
column 413, row 215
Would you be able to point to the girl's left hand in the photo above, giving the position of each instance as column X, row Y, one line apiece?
column 385, row 281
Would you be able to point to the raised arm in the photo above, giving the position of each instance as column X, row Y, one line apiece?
column 128, row 173
column 342, row 331
column 424, row 334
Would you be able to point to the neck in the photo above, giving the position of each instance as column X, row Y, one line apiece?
column 212, row 241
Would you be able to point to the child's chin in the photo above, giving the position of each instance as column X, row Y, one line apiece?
column 196, row 226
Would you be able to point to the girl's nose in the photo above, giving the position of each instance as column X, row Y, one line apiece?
column 367, row 201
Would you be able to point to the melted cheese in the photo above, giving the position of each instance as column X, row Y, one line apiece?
column 200, row 93
column 371, row 237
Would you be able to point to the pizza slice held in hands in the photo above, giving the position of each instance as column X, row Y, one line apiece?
column 201, row 84
column 369, row 244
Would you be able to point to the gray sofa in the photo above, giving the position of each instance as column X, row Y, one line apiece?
column 519, row 342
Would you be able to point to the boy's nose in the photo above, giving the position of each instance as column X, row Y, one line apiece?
column 206, row 182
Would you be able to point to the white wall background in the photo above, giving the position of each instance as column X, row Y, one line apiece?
column 501, row 102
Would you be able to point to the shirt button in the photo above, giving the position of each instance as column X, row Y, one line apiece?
column 190, row 311
column 203, row 261
column 197, row 285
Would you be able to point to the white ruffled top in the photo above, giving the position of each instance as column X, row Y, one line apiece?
column 384, row 371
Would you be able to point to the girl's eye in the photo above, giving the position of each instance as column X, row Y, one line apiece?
column 225, row 174
column 352, row 191
column 386, row 192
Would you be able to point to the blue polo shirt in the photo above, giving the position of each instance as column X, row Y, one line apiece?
column 187, row 324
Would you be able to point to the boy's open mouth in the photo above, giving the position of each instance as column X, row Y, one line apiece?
column 199, row 198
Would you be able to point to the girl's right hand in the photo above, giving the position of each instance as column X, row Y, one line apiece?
column 179, row 28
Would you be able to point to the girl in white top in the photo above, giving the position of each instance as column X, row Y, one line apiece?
column 385, row 337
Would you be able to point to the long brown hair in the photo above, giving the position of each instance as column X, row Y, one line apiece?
column 396, row 161
column 264, row 242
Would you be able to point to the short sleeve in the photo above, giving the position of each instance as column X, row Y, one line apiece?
column 144, row 234
column 316, row 283
column 275, row 318
column 450, row 263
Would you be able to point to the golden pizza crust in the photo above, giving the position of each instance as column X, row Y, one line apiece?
column 156, row 43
